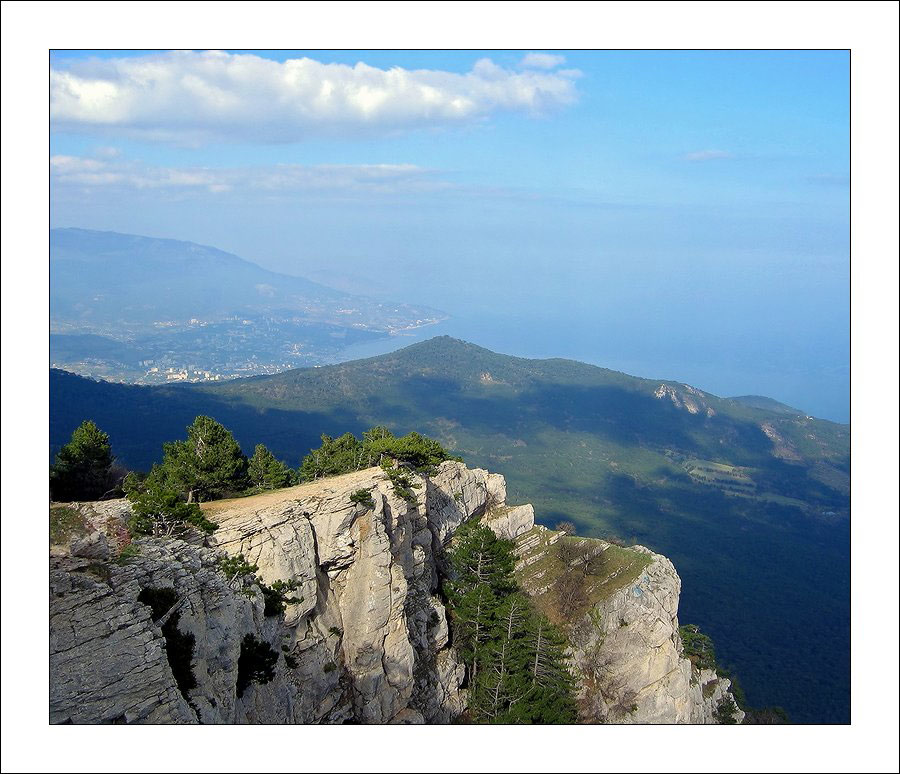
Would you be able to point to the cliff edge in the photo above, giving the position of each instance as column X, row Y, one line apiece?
column 170, row 631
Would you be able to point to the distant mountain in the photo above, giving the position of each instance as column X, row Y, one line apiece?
column 121, row 305
column 751, row 503
column 104, row 276
column 767, row 404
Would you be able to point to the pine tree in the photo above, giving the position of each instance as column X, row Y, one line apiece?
column 333, row 457
column 482, row 569
column 549, row 696
column 503, row 677
column 266, row 472
column 208, row 464
column 515, row 657
column 82, row 467
column 158, row 507
column 379, row 446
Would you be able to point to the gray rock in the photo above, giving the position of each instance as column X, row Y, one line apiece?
column 629, row 659
column 367, row 639
column 91, row 546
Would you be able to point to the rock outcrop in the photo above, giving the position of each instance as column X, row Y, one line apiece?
column 629, row 657
column 364, row 637
column 364, row 634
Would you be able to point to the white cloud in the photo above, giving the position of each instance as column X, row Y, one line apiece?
column 707, row 155
column 538, row 61
column 80, row 173
column 195, row 97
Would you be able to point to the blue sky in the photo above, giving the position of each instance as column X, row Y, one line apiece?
column 672, row 214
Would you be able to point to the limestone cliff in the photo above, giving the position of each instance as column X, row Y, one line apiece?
column 630, row 657
column 626, row 651
column 364, row 636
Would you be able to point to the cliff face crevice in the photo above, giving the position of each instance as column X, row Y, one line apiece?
column 365, row 637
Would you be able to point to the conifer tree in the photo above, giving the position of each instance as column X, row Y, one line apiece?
column 503, row 678
column 159, row 508
column 208, row 464
column 515, row 657
column 482, row 567
column 266, row 472
column 379, row 446
column 82, row 467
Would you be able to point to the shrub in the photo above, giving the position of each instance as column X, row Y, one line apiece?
column 128, row 552
column 726, row 711
column 236, row 567
column 362, row 497
column 401, row 482
column 276, row 596
column 256, row 664
column 698, row 647
column 158, row 508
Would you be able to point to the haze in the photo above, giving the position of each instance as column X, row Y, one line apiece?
column 679, row 215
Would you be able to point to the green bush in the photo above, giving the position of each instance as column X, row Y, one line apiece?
column 256, row 664
column 159, row 509
column 128, row 552
column 698, row 647
column 278, row 595
column 363, row 497
column 726, row 711
column 348, row 453
column 236, row 566
column 401, row 482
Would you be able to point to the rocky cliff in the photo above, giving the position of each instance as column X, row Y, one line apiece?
column 629, row 654
column 162, row 631
column 626, row 651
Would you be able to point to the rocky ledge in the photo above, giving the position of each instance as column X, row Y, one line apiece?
column 162, row 631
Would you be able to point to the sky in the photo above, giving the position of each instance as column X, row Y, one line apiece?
column 672, row 214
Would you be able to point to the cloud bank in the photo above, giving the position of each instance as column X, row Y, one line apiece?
column 541, row 61
column 81, row 173
column 197, row 97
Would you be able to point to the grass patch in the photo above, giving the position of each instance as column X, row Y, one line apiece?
column 128, row 552
column 610, row 570
column 66, row 523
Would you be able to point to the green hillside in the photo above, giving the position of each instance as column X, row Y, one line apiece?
column 750, row 499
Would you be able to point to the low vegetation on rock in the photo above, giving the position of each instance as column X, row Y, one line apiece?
column 256, row 664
